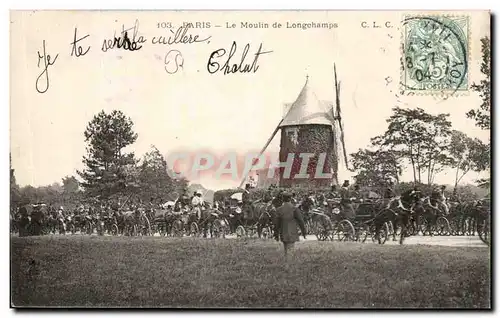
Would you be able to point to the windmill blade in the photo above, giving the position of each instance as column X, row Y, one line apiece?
column 335, row 153
column 339, row 118
column 337, row 91
column 343, row 145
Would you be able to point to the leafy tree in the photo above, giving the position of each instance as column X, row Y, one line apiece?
column 468, row 155
column 482, row 115
column 419, row 137
column 29, row 194
column 376, row 168
column 70, row 185
column 71, row 189
column 51, row 194
column 105, row 169
column 156, row 183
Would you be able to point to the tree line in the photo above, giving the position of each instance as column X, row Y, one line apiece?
column 110, row 172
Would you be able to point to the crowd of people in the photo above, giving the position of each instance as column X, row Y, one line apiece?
column 347, row 198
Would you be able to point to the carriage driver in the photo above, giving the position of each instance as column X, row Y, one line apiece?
column 442, row 200
column 389, row 193
column 197, row 203
column 438, row 200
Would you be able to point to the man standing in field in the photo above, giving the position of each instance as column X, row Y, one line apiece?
column 288, row 217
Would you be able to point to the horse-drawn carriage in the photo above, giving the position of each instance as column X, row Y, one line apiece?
column 187, row 222
column 331, row 220
column 134, row 223
column 255, row 219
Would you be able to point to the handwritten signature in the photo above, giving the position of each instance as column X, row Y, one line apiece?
column 123, row 41
column 47, row 61
column 173, row 61
column 227, row 67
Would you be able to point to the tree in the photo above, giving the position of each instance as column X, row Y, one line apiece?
column 156, row 184
column 70, row 185
column 71, row 189
column 376, row 168
column 468, row 154
column 482, row 115
column 419, row 137
column 105, row 171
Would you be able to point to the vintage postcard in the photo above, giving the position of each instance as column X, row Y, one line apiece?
column 250, row 159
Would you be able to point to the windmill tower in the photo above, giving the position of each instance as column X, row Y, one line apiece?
column 311, row 126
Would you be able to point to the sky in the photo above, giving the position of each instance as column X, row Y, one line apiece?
column 193, row 110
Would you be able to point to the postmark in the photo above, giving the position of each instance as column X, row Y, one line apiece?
column 435, row 55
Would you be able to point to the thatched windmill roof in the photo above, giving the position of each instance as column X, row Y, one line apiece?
column 308, row 110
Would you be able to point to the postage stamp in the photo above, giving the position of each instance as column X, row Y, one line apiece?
column 435, row 54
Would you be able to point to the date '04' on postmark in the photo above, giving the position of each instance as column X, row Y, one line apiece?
column 435, row 54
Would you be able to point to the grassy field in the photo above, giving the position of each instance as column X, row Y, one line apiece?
column 159, row 272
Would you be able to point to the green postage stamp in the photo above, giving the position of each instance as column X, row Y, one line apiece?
column 435, row 54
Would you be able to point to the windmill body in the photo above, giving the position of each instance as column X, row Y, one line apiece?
column 308, row 128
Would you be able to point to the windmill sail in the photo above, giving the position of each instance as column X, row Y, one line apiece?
column 339, row 117
column 335, row 153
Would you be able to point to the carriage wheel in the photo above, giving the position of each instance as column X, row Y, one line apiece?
column 443, row 226
column 240, row 231
column 345, row 231
column 193, row 229
column 382, row 235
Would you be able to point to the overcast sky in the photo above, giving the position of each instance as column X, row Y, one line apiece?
column 197, row 111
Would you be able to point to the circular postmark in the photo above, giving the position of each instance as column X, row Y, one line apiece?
column 435, row 54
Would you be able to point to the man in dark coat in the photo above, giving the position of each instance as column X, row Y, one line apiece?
column 288, row 217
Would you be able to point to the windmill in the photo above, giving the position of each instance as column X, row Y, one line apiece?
column 311, row 126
